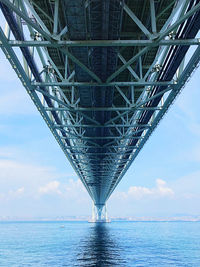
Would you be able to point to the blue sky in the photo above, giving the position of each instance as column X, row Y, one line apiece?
column 37, row 180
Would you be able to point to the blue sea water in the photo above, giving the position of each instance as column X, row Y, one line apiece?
column 86, row 244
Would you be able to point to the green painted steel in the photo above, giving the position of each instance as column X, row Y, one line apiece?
column 98, row 116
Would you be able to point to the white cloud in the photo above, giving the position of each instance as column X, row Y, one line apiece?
column 162, row 189
column 37, row 179
column 26, row 180
column 5, row 153
column 51, row 187
column 75, row 187
column 14, row 171
column 178, row 196
column 71, row 190
column 139, row 192
column 31, row 189
column 20, row 191
column 12, row 194
column 16, row 193
column 188, row 185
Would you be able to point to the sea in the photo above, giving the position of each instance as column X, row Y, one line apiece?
column 104, row 244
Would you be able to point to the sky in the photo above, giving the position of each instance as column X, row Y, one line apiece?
column 36, row 180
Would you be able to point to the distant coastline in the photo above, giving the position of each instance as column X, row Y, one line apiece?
column 183, row 218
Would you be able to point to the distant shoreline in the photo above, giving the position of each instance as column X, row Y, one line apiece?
column 59, row 220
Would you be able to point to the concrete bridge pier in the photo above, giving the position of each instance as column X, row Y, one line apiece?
column 99, row 213
column 99, row 209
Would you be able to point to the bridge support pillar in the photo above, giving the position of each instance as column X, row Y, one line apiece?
column 99, row 213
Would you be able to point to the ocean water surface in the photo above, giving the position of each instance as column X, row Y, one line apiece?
column 86, row 244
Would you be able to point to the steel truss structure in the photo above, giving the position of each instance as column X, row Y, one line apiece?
column 102, row 74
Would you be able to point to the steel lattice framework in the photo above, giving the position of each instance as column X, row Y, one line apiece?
column 102, row 74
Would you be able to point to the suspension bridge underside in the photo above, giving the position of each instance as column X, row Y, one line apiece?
column 102, row 73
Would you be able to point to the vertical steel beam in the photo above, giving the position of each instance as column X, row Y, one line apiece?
column 55, row 19
column 153, row 16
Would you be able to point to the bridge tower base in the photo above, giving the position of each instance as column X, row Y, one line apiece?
column 99, row 214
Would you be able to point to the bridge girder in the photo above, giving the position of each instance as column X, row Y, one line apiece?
column 100, row 160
